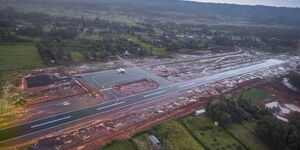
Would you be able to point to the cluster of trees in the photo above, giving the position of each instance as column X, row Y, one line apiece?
column 58, row 51
column 228, row 110
column 275, row 133
column 63, row 33
column 161, row 9
column 280, row 135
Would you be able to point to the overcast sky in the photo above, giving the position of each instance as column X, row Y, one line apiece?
column 278, row 3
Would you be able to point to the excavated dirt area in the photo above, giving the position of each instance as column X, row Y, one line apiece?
column 187, row 70
column 286, row 99
column 96, row 131
column 135, row 87
column 99, row 130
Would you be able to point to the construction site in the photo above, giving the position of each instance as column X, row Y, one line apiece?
column 130, row 95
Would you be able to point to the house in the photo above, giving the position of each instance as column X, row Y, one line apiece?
column 154, row 142
column 199, row 112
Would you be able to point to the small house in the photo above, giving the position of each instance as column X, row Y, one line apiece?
column 154, row 142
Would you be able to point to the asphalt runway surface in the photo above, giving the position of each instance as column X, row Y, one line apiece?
column 29, row 128
column 106, row 79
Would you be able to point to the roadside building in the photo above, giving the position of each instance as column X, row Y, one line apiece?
column 199, row 112
column 154, row 142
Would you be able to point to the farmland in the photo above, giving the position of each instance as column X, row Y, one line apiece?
column 195, row 132
column 18, row 56
column 112, row 74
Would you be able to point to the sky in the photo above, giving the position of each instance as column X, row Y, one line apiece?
column 277, row 3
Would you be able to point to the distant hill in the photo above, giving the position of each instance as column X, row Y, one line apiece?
column 169, row 8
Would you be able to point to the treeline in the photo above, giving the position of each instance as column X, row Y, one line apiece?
column 159, row 9
column 59, row 51
column 279, row 135
column 229, row 110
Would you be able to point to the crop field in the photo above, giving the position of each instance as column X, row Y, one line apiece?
column 121, row 145
column 195, row 133
column 174, row 136
column 209, row 135
column 19, row 56
column 246, row 137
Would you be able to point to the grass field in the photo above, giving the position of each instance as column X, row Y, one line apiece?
column 121, row 145
column 77, row 56
column 174, row 136
column 254, row 95
column 33, row 39
column 209, row 135
column 156, row 50
column 19, row 56
column 195, row 133
column 91, row 37
column 246, row 137
column 142, row 141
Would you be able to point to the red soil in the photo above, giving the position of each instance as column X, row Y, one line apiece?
column 137, row 86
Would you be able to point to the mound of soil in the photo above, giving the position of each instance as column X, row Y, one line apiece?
column 137, row 86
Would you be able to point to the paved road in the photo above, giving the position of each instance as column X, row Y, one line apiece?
column 32, row 127
column 106, row 79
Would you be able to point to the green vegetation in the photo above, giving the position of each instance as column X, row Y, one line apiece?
column 91, row 37
column 254, row 95
column 19, row 56
column 174, row 136
column 209, row 135
column 10, row 97
column 121, row 145
column 77, row 57
column 280, row 135
column 150, row 48
column 246, row 137
column 142, row 141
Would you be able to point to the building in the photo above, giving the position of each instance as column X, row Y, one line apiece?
column 199, row 112
column 154, row 142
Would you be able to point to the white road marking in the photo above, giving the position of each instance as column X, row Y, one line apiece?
column 187, row 85
column 50, row 122
column 154, row 93
column 252, row 68
column 111, row 105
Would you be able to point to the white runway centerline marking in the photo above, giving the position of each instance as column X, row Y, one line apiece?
column 187, row 85
column 111, row 105
column 50, row 122
column 154, row 93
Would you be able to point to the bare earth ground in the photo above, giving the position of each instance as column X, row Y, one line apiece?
column 135, row 87
column 97, row 131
